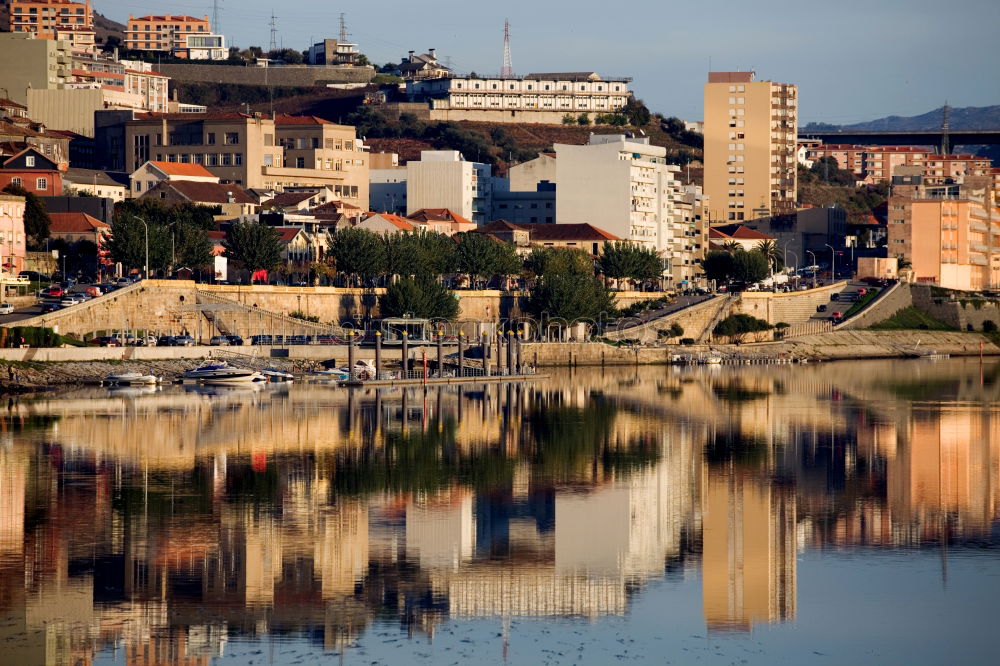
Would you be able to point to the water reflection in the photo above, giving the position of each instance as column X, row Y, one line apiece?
column 165, row 523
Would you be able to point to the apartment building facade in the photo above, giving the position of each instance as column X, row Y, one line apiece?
column 42, row 64
column 255, row 151
column 320, row 153
column 751, row 129
column 949, row 234
column 621, row 184
column 875, row 164
column 44, row 17
column 685, row 254
column 181, row 36
column 443, row 179
column 539, row 98
column 12, row 240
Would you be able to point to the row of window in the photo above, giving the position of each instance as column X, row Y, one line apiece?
column 531, row 86
column 204, row 159
column 40, row 183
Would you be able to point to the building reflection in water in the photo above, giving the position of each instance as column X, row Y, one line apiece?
column 166, row 524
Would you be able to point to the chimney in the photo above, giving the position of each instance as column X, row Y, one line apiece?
column 230, row 198
column 411, row 56
column 431, row 53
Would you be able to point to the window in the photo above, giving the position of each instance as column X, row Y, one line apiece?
column 232, row 138
column 29, row 161
column 211, row 139
column 42, row 184
column 213, row 160
column 268, row 160
column 300, row 163
column 237, row 159
column 227, row 159
column 16, row 181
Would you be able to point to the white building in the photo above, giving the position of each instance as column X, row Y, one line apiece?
column 621, row 184
column 538, row 98
column 202, row 46
column 526, row 176
column 443, row 179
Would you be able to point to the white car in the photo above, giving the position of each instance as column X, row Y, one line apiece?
column 67, row 302
column 6, row 308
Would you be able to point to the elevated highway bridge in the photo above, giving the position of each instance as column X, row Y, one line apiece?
column 939, row 139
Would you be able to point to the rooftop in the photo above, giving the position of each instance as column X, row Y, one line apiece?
column 178, row 169
column 74, row 223
column 208, row 193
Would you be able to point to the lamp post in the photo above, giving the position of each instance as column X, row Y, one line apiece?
column 813, row 265
column 145, row 271
column 833, row 262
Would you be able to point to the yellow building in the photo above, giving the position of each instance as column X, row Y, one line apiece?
column 751, row 128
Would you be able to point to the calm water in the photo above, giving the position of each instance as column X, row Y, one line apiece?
column 839, row 513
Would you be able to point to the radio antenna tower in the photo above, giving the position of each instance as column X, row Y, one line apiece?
column 274, row 33
column 507, row 69
column 215, row 17
column 344, row 37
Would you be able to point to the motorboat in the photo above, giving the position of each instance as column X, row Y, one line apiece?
column 220, row 372
column 331, row 374
column 277, row 375
column 130, row 379
column 363, row 369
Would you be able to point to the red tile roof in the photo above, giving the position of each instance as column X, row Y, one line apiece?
column 287, row 234
column 438, row 215
column 285, row 119
column 207, row 193
column 541, row 232
column 746, row 233
column 74, row 223
column 397, row 220
column 178, row 169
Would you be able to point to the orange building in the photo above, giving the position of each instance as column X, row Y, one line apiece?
column 44, row 17
column 848, row 156
column 950, row 234
column 163, row 33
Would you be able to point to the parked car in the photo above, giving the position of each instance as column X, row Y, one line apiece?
column 166, row 341
column 185, row 340
column 67, row 302
column 834, row 297
column 123, row 281
column 837, row 316
column 821, row 308
column 235, row 340
column 106, row 341
column 143, row 341
column 219, row 341
column 6, row 308
column 53, row 292
column 50, row 307
column 34, row 276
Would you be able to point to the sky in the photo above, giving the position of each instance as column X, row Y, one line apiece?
column 853, row 60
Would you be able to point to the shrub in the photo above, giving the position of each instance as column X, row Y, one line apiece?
column 738, row 325
column 676, row 330
column 687, row 341
column 34, row 336
column 304, row 317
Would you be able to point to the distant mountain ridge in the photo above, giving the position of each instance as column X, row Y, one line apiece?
column 960, row 118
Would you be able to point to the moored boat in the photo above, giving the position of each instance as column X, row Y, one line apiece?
column 130, row 379
column 220, row 372
column 277, row 375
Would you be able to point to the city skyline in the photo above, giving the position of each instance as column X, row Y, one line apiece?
column 668, row 61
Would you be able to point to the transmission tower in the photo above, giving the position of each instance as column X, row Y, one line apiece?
column 274, row 34
column 215, row 17
column 507, row 69
column 344, row 37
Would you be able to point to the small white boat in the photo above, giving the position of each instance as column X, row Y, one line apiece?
column 130, row 379
column 277, row 375
column 332, row 374
column 220, row 372
column 713, row 360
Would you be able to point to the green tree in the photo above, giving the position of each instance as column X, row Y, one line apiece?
column 583, row 119
column 426, row 254
column 128, row 243
column 719, row 266
column 769, row 249
column 253, row 246
column 626, row 260
column 749, row 267
column 636, row 112
column 358, row 252
column 480, row 256
column 567, row 287
column 192, row 247
column 739, row 325
column 419, row 297
column 36, row 219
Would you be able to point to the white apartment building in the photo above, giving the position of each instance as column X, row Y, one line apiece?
column 621, row 184
column 443, row 179
column 689, row 241
column 539, row 98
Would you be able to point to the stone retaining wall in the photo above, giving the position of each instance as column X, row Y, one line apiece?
column 286, row 76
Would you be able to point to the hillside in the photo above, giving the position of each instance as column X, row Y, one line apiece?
column 968, row 118
column 105, row 27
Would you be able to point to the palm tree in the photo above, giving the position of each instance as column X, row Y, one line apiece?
column 769, row 249
column 731, row 246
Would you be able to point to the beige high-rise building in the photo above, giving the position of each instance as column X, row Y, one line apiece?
column 751, row 129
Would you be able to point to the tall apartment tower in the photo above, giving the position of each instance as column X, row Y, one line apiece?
column 751, row 128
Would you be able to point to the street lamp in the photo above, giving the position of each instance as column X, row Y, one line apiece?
column 813, row 265
column 833, row 262
column 145, row 271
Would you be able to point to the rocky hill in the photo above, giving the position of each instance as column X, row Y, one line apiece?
column 969, row 118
